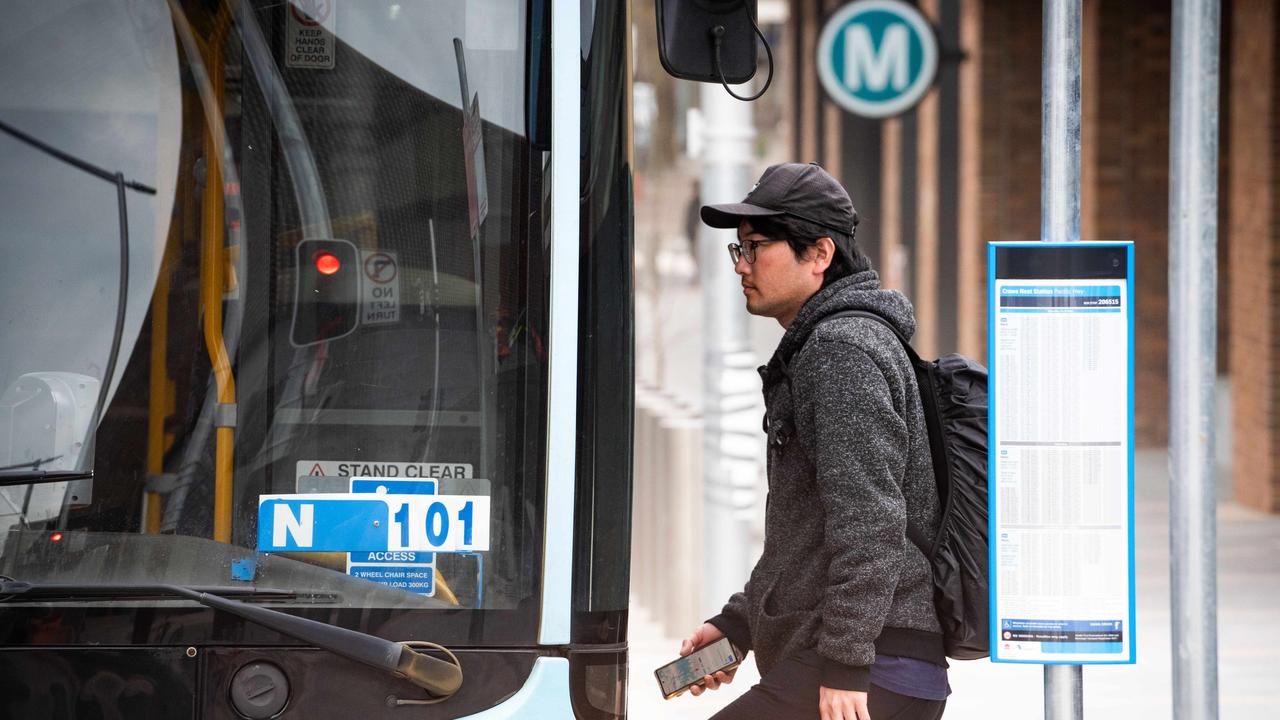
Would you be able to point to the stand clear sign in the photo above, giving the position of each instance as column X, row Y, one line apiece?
column 1060, row 462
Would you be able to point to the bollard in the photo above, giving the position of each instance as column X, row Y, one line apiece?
column 667, row 546
column 641, row 488
column 683, row 455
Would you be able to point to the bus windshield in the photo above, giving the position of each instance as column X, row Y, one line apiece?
column 330, row 215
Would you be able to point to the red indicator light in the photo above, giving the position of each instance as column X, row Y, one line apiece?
column 56, row 537
column 327, row 263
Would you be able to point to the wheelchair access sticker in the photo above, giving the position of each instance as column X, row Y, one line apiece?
column 372, row 522
column 407, row 570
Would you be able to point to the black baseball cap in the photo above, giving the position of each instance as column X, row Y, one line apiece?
column 802, row 191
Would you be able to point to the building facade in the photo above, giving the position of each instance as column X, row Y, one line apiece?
column 962, row 168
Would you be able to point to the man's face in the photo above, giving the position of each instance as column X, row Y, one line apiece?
column 778, row 283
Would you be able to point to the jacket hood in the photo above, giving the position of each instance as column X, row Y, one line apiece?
column 860, row 291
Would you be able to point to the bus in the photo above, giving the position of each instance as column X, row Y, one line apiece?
column 315, row 358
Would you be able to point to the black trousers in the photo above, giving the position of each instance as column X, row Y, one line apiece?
column 790, row 692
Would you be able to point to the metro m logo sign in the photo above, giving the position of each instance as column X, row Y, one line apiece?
column 883, row 67
column 877, row 58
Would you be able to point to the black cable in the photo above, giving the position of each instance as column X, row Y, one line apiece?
column 717, row 33
column 117, row 337
column 33, row 464
column 75, row 161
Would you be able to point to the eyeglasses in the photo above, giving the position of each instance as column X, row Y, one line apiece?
column 746, row 249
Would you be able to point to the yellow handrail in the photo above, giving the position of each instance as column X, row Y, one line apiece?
column 213, row 285
column 161, row 395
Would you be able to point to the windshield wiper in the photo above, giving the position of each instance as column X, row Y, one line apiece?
column 17, row 591
column 438, row 677
column 19, row 474
column 40, row 477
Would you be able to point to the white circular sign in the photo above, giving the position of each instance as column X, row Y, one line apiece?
column 877, row 58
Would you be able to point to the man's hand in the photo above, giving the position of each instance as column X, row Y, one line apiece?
column 703, row 636
column 842, row 704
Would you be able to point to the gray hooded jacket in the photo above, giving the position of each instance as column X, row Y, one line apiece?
column 848, row 465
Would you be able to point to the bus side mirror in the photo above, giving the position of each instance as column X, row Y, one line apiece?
column 691, row 33
column 327, row 301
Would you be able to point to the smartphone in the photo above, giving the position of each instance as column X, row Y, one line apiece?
column 678, row 675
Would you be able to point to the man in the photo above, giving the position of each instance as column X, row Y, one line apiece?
column 839, row 609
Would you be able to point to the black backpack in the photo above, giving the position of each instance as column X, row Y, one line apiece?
column 953, row 390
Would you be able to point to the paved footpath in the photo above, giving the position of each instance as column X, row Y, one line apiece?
column 1248, row 634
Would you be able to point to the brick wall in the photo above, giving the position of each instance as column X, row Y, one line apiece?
column 1131, row 158
column 1011, row 121
column 1254, row 226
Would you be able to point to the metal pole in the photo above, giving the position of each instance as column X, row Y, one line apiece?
column 1060, row 123
column 1193, row 280
column 1060, row 222
column 731, row 387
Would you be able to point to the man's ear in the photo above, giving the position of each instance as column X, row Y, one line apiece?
column 824, row 253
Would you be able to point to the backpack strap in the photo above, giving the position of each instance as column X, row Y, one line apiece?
column 906, row 344
column 914, row 534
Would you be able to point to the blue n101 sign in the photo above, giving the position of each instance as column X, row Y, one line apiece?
column 877, row 58
column 372, row 522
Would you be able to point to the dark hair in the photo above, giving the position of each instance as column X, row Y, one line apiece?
column 802, row 235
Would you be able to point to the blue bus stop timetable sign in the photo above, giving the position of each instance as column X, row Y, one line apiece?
column 1060, row 461
column 877, row 58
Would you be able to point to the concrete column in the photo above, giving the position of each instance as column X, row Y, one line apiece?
column 925, row 297
column 808, row 19
column 891, row 204
column 832, row 117
column 971, row 317
column 1089, row 120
